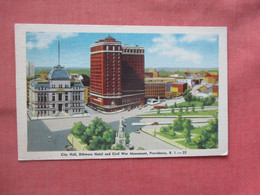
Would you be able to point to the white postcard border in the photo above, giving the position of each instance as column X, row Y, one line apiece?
column 20, row 53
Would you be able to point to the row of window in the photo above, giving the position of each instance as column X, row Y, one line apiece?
column 133, row 51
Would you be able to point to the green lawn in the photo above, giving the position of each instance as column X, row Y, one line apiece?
column 190, row 146
column 215, row 103
column 199, row 113
column 169, row 136
column 189, row 104
column 197, row 130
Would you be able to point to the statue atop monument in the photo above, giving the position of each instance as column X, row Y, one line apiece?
column 120, row 135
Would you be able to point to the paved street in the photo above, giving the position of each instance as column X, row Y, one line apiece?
column 58, row 129
column 38, row 134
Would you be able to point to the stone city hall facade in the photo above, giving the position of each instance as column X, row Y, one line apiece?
column 117, row 75
column 57, row 95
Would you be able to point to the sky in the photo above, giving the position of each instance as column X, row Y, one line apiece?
column 161, row 50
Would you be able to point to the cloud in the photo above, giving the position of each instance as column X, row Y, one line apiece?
column 167, row 45
column 42, row 40
column 198, row 37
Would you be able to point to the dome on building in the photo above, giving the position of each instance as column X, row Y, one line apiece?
column 58, row 73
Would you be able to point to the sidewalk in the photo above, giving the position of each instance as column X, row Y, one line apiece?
column 76, row 143
column 171, row 142
column 56, row 117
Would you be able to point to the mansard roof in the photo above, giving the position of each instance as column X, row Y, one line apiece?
column 58, row 73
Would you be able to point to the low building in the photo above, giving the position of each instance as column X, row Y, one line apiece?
column 30, row 69
column 154, row 90
column 86, row 92
column 204, row 91
column 160, row 79
column 57, row 95
column 211, row 78
column 148, row 75
column 215, row 90
column 179, row 87
column 186, row 80
column 86, row 82
column 44, row 75
column 154, row 71
column 28, row 81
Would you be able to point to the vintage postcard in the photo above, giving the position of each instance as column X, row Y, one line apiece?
column 102, row 92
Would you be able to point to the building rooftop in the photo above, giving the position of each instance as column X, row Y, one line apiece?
column 77, row 84
column 40, row 83
column 179, row 83
column 58, row 73
column 155, row 82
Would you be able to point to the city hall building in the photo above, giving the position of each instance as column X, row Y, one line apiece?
column 116, row 75
column 57, row 95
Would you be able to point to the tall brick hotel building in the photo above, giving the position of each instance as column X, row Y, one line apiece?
column 116, row 75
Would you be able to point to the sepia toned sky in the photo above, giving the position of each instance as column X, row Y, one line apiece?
column 161, row 50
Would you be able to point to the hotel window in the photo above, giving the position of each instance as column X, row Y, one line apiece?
column 107, row 48
column 113, row 48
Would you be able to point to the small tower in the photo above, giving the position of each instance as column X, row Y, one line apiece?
column 120, row 135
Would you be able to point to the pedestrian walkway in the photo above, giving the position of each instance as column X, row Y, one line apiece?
column 171, row 142
column 58, row 116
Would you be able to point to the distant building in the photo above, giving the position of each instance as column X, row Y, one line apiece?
column 148, row 75
column 116, row 75
column 215, row 90
column 175, row 74
column 179, row 87
column 160, row 79
column 185, row 80
column 28, row 81
column 204, row 91
column 86, row 82
column 187, row 74
column 211, row 78
column 57, row 95
column 155, row 89
column 44, row 75
column 30, row 69
column 154, row 71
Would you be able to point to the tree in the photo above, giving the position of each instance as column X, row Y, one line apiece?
column 172, row 110
column 187, row 135
column 180, row 110
column 202, row 107
column 98, row 135
column 175, row 105
column 208, row 138
column 187, row 127
column 187, row 95
column 78, row 129
column 193, row 108
column 166, row 106
column 187, row 109
column 164, row 130
column 172, row 133
column 177, row 124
